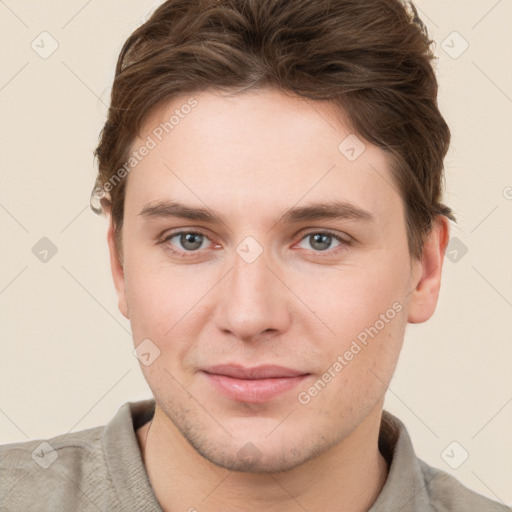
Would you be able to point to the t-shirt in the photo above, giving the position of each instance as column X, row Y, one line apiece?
column 101, row 469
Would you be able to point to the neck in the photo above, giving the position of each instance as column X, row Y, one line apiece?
column 347, row 477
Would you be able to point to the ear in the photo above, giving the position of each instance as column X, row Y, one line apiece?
column 427, row 272
column 117, row 271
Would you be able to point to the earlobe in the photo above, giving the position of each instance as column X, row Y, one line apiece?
column 426, row 292
column 117, row 271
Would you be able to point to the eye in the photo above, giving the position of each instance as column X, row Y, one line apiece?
column 322, row 240
column 188, row 241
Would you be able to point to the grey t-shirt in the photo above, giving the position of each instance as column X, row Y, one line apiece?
column 101, row 469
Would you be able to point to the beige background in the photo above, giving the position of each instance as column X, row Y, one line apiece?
column 66, row 352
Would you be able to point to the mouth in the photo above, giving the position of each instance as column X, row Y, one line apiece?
column 253, row 385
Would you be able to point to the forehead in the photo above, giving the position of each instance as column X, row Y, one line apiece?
column 259, row 149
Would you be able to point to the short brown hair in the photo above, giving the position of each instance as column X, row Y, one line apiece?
column 371, row 58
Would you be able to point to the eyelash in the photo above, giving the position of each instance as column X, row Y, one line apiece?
column 191, row 254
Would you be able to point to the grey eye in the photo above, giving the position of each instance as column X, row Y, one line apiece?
column 320, row 241
column 189, row 241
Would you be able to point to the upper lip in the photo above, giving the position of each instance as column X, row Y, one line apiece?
column 256, row 372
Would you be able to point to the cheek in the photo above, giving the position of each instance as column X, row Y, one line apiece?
column 357, row 369
column 365, row 311
column 166, row 302
column 349, row 300
column 159, row 312
column 153, row 302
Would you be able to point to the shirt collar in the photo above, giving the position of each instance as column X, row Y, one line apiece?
column 124, row 458
column 405, row 488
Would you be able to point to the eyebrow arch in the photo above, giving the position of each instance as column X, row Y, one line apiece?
column 315, row 211
column 319, row 211
column 169, row 209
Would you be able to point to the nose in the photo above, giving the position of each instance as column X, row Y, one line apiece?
column 253, row 301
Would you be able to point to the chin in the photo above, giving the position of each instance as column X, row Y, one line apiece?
column 257, row 453
column 250, row 459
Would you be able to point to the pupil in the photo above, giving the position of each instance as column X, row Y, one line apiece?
column 319, row 237
column 189, row 238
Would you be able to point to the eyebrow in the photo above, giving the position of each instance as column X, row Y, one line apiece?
column 316, row 211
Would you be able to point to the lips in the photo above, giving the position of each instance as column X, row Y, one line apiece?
column 258, row 372
column 253, row 385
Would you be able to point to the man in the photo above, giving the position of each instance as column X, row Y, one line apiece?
column 271, row 171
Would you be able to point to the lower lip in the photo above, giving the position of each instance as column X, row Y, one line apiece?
column 255, row 391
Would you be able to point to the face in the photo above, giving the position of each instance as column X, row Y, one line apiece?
column 270, row 274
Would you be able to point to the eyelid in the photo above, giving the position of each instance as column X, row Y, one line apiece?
column 171, row 234
column 342, row 237
column 176, row 231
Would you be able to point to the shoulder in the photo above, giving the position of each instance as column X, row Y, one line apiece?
column 67, row 471
column 447, row 494
column 70, row 450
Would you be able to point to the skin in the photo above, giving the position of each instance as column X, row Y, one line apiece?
column 249, row 157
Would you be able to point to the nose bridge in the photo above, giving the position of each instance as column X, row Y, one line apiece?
column 250, row 279
column 253, row 300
